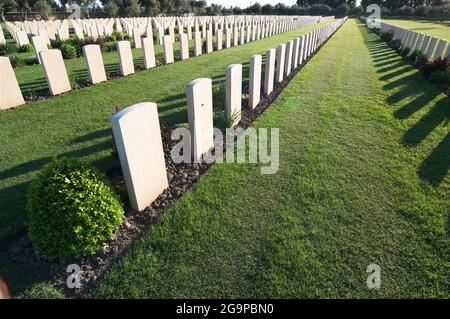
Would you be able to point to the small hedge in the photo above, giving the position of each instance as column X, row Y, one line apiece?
column 72, row 211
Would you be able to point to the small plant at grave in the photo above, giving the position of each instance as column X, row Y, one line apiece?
column 68, row 51
column 405, row 51
column 386, row 35
column 14, row 59
column 441, row 78
column 3, row 49
column 420, row 60
column 223, row 120
column 396, row 44
column 56, row 44
column 25, row 48
column 436, row 65
column 72, row 210
column 110, row 47
column 31, row 60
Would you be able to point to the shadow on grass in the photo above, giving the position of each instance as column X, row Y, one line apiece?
column 414, row 87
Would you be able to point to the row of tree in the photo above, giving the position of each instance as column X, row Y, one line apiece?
column 200, row 7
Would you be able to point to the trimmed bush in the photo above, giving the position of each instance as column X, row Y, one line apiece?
column 436, row 65
column 72, row 211
column 441, row 77
column 25, row 48
column 14, row 59
column 68, row 51
column 31, row 60
column 387, row 35
column 405, row 51
column 3, row 49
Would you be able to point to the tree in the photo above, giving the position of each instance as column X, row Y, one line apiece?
column 111, row 8
column 131, row 8
column 342, row 10
column 44, row 8
column 6, row 4
column 266, row 9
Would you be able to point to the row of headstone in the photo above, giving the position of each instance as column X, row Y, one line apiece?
column 430, row 46
column 137, row 129
column 57, row 77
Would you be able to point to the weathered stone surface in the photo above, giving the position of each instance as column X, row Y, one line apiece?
column 209, row 41
column 137, row 135
column 137, row 38
column 55, row 71
column 255, row 80
column 197, row 44
column 440, row 48
column 94, row 61
column 10, row 94
column 184, row 46
column 281, row 53
column 168, row 49
column 125, row 57
column 233, row 95
column 288, row 58
column 40, row 45
column 269, row 72
column 22, row 38
column 200, row 116
column 149, row 52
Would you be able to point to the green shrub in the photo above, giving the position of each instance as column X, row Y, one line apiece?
column 72, row 211
column 31, row 60
column 110, row 47
column 441, row 77
column 405, row 51
column 436, row 65
column 14, row 59
column 12, row 47
column 68, row 51
column 387, row 35
column 3, row 49
column 396, row 44
column 25, row 48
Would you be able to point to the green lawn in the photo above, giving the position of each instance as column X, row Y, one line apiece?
column 433, row 28
column 77, row 124
column 364, row 160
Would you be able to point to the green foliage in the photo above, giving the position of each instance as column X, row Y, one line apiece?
column 396, row 44
column 31, row 60
column 386, row 35
column 14, row 59
column 68, row 51
column 72, row 211
column 25, row 48
column 3, row 49
column 436, row 65
column 441, row 78
column 405, row 51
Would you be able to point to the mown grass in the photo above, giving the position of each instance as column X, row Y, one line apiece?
column 364, row 159
column 433, row 28
column 77, row 124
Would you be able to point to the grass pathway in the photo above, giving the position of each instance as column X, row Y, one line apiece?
column 364, row 159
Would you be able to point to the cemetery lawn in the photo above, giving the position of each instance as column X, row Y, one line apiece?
column 77, row 124
column 433, row 28
column 364, row 178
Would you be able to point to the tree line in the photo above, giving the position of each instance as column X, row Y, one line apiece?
column 132, row 8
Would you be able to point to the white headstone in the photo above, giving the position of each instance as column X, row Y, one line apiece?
column 149, row 52
column 209, row 42
column 281, row 53
column 288, row 58
column 197, row 44
column 233, row 95
column 269, row 71
column 55, row 71
column 94, row 61
column 125, row 57
column 10, row 94
column 40, row 45
column 137, row 38
column 22, row 38
column 200, row 116
column 168, row 49
column 440, row 48
column 255, row 80
column 184, row 46
column 138, row 139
